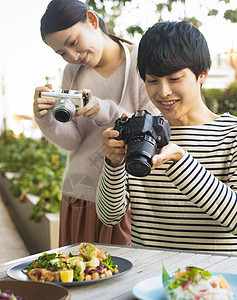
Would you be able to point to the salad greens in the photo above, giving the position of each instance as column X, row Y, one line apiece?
column 91, row 263
column 195, row 283
column 165, row 276
column 109, row 263
column 49, row 261
column 190, row 273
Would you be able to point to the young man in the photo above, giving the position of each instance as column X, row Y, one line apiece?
column 189, row 200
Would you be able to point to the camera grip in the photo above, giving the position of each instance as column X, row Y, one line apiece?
column 119, row 124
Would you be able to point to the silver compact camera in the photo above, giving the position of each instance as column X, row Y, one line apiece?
column 67, row 103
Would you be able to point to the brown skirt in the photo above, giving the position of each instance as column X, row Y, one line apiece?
column 79, row 223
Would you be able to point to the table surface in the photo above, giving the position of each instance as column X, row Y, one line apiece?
column 147, row 263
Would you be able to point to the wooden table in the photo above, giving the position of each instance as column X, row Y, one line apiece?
column 147, row 263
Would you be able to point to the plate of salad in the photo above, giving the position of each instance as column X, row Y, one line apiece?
column 189, row 284
column 91, row 265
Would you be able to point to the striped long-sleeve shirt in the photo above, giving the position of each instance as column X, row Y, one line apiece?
column 190, row 205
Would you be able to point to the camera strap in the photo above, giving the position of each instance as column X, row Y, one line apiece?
column 127, row 67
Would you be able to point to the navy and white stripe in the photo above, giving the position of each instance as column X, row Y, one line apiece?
column 190, row 205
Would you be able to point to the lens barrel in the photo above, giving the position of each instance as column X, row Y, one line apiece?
column 138, row 167
column 64, row 110
column 139, row 154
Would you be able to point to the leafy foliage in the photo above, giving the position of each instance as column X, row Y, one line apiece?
column 222, row 100
column 212, row 97
column 39, row 167
column 110, row 10
column 228, row 103
column 231, row 15
column 212, row 12
column 133, row 29
column 101, row 7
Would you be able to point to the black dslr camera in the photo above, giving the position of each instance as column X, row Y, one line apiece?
column 143, row 133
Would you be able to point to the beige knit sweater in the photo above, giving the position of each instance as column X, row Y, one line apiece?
column 83, row 137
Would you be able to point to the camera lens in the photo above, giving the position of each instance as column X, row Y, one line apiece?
column 64, row 110
column 139, row 167
column 140, row 150
column 62, row 115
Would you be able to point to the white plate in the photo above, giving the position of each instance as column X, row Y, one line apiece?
column 152, row 288
column 123, row 264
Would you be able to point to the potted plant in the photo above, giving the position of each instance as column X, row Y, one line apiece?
column 31, row 174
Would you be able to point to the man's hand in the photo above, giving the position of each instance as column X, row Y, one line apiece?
column 170, row 152
column 115, row 150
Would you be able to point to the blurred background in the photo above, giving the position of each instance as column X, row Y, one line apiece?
column 30, row 166
column 25, row 60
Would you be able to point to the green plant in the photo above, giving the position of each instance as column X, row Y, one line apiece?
column 112, row 10
column 228, row 103
column 222, row 100
column 212, row 98
column 38, row 167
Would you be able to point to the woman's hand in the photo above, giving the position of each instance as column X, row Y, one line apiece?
column 91, row 109
column 115, row 150
column 170, row 152
column 42, row 105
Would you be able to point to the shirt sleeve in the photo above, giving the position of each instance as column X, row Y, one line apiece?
column 215, row 198
column 111, row 198
column 64, row 135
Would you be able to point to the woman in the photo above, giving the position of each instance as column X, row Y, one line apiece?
column 104, row 66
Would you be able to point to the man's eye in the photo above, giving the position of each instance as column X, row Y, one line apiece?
column 175, row 79
column 151, row 81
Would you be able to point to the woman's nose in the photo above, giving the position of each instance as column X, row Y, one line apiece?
column 74, row 55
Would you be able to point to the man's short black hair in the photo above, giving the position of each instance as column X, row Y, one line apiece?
column 168, row 47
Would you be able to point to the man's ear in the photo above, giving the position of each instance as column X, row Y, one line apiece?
column 92, row 19
column 203, row 76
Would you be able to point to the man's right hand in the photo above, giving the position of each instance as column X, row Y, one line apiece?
column 115, row 150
